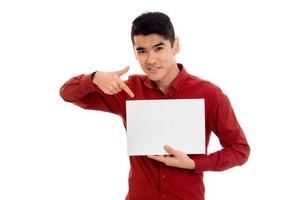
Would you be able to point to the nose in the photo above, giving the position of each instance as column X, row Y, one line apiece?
column 151, row 58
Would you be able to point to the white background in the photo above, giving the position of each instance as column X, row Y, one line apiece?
column 50, row 149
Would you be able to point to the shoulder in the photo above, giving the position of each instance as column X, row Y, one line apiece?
column 206, row 87
column 212, row 93
column 135, row 79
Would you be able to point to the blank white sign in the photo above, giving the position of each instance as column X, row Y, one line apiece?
column 151, row 124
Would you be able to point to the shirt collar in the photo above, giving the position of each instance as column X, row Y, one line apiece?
column 177, row 82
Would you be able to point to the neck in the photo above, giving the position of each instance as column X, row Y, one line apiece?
column 165, row 83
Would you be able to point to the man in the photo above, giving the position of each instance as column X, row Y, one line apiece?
column 179, row 176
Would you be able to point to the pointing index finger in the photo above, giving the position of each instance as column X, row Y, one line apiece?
column 126, row 88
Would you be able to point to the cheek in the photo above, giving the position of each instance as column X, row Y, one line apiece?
column 172, row 56
column 141, row 59
column 168, row 55
column 142, row 63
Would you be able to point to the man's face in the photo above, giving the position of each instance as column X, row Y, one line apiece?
column 156, row 55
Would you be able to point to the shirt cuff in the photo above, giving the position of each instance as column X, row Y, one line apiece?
column 202, row 163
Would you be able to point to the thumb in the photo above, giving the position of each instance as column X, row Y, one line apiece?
column 123, row 71
column 170, row 150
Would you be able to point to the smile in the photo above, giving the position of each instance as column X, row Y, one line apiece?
column 153, row 69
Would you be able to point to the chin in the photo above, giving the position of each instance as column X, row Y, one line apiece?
column 154, row 78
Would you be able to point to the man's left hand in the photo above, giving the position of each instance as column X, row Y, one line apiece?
column 176, row 159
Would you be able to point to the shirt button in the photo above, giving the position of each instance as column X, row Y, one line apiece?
column 163, row 176
column 164, row 196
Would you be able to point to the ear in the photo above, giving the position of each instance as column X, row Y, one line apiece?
column 176, row 45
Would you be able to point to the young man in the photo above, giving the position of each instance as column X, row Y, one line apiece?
column 179, row 176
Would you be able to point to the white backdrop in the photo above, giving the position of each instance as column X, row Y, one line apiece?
column 50, row 149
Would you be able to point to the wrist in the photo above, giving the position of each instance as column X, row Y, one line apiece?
column 95, row 76
column 192, row 164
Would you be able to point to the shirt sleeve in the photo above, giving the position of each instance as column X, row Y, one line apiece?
column 235, row 149
column 81, row 91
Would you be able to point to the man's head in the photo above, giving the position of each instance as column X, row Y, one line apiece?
column 155, row 46
column 153, row 22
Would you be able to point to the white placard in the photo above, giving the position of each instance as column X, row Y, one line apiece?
column 151, row 124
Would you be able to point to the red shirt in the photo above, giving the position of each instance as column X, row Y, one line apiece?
column 153, row 180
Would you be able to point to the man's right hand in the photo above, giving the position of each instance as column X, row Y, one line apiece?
column 111, row 83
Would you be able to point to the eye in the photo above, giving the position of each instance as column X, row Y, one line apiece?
column 159, row 48
column 140, row 51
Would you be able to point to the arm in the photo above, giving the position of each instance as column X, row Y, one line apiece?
column 235, row 149
column 97, row 91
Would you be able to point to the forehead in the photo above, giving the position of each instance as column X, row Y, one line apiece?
column 149, row 41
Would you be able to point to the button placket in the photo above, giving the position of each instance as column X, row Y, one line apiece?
column 163, row 177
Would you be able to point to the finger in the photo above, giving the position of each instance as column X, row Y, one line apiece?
column 123, row 71
column 118, row 88
column 114, row 91
column 157, row 158
column 126, row 88
column 169, row 161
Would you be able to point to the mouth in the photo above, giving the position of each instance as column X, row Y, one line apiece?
column 153, row 69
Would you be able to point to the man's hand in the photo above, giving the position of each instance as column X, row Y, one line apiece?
column 177, row 159
column 111, row 83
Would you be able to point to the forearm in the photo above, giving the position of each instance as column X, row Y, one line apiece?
column 222, row 121
column 81, row 91
column 77, row 88
column 224, row 159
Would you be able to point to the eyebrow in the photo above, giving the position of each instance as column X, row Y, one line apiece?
column 154, row 46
